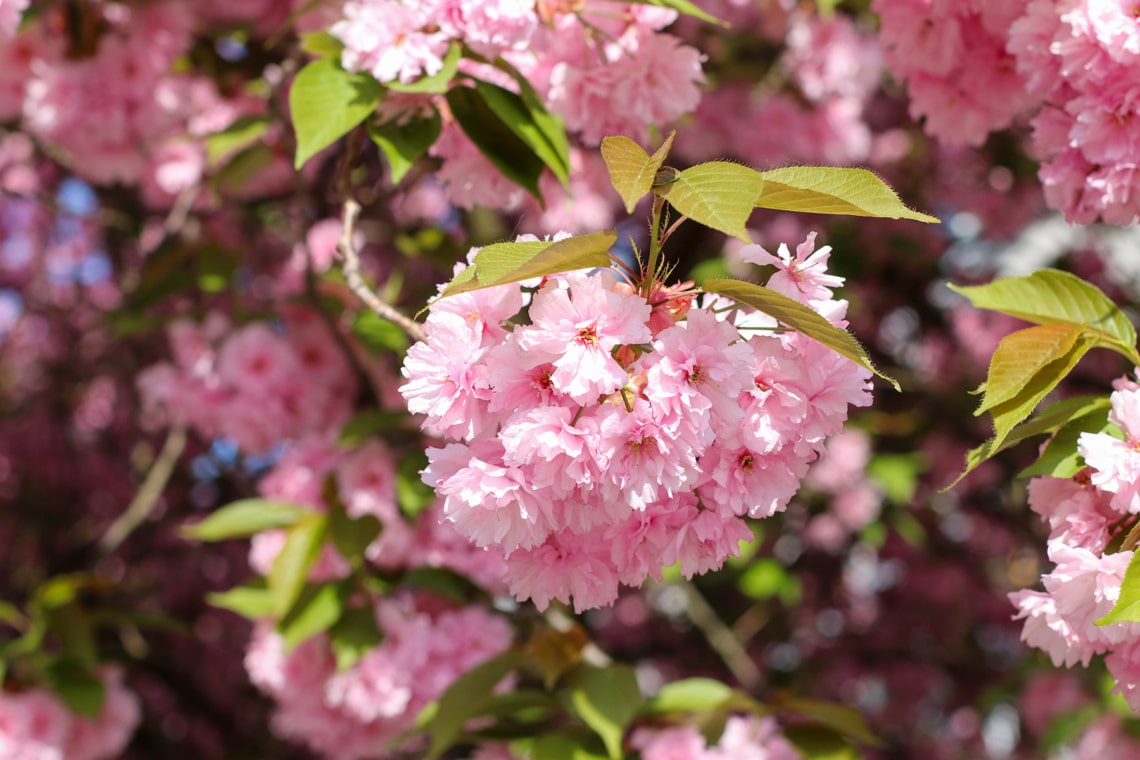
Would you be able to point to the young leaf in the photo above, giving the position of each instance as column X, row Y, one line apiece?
column 1060, row 459
column 436, row 84
column 1020, row 356
column 354, row 635
column 326, row 102
column 319, row 606
column 466, row 698
column 322, row 45
column 833, row 190
column 632, row 169
column 718, row 194
column 503, row 263
column 251, row 600
column 244, row 518
column 796, row 316
column 530, row 122
column 291, row 568
column 379, row 335
column 495, row 139
column 606, row 699
column 242, row 133
column 1127, row 607
column 1051, row 296
column 690, row 695
column 403, row 143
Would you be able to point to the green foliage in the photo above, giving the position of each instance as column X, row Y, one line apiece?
column 244, row 518
column 568, row 744
column 439, row 82
column 606, row 699
column 686, row 7
column 897, row 474
column 354, row 635
column 1127, row 607
column 378, row 335
column 631, row 169
column 466, row 698
column 502, row 263
column 796, row 316
column 290, row 570
column 1060, row 459
column 815, row 742
column 318, row 607
column 241, row 134
column 832, row 190
column 403, row 142
column 496, row 139
column 322, row 45
column 326, row 102
column 252, row 600
column 78, row 686
column 412, row 494
column 766, row 578
column 691, row 695
column 718, row 194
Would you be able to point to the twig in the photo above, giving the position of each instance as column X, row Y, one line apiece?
column 148, row 494
column 355, row 280
column 721, row 638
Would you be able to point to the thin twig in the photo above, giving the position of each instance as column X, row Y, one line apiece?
column 356, row 281
column 721, row 638
column 148, row 494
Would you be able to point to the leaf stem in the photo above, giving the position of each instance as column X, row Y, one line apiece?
column 655, row 240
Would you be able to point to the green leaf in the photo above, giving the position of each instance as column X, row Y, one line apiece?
column 686, row 7
column 833, row 190
column 290, row 570
column 502, row 263
column 606, row 699
column 1060, row 459
column 495, row 139
column 318, row 607
column 239, row 170
column 252, row 600
column 378, row 334
column 1054, row 297
column 718, row 194
column 412, row 494
column 242, row 133
column 1020, row 356
column 820, row 743
column 567, row 744
column 404, row 142
column 364, row 425
column 1127, row 607
column 436, row 84
column 78, row 687
column 796, row 316
column 216, row 265
column 843, row 720
column 354, row 636
column 766, row 578
column 322, row 45
column 1048, row 420
column 244, row 518
column 467, row 696
column 326, row 102
column 550, row 125
column 897, row 474
column 531, row 123
column 632, row 169
column 352, row 535
column 690, row 695
column 441, row 581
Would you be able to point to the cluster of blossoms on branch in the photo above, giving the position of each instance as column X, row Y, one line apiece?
column 598, row 435
column 1090, row 517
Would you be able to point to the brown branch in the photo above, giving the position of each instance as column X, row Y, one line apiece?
column 721, row 638
column 355, row 280
column 148, row 494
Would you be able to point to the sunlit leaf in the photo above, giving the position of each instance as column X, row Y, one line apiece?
column 1060, row 459
column 317, row 609
column 686, row 7
column 567, row 744
column 465, row 698
column 439, row 82
column 632, row 169
column 321, row 44
column 326, row 102
column 606, row 699
column 531, row 123
column 690, row 695
column 502, row 263
column 796, row 316
column 244, row 518
column 1020, row 356
column 290, row 569
column 242, row 133
column 495, row 139
column 403, row 142
column 1127, row 607
column 252, row 600
column 718, row 194
column 833, row 190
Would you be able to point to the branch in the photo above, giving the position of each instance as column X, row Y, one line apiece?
column 356, row 281
column 721, row 638
column 148, row 494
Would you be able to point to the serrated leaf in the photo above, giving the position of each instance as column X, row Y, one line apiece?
column 690, row 695
column 820, row 743
column 243, row 518
column 606, row 699
column 404, row 142
column 1127, row 607
column 796, row 316
column 436, row 84
column 1020, row 356
column 567, row 744
column 718, row 194
column 1047, row 421
column 834, row 190
column 503, row 263
column 354, row 635
column 631, row 169
column 290, row 569
column 1060, row 459
column 326, row 102
column 844, row 720
column 252, row 600
column 1009, row 414
column 242, row 133
column 321, row 44
column 467, row 696
column 317, row 609
column 1051, row 296
column 495, row 139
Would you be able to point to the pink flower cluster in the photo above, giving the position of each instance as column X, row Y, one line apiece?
column 1085, row 515
column 35, row 725
column 952, row 54
column 597, row 436
column 355, row 713
column 1082, row 60
column 257, row 384
column 744, row 738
